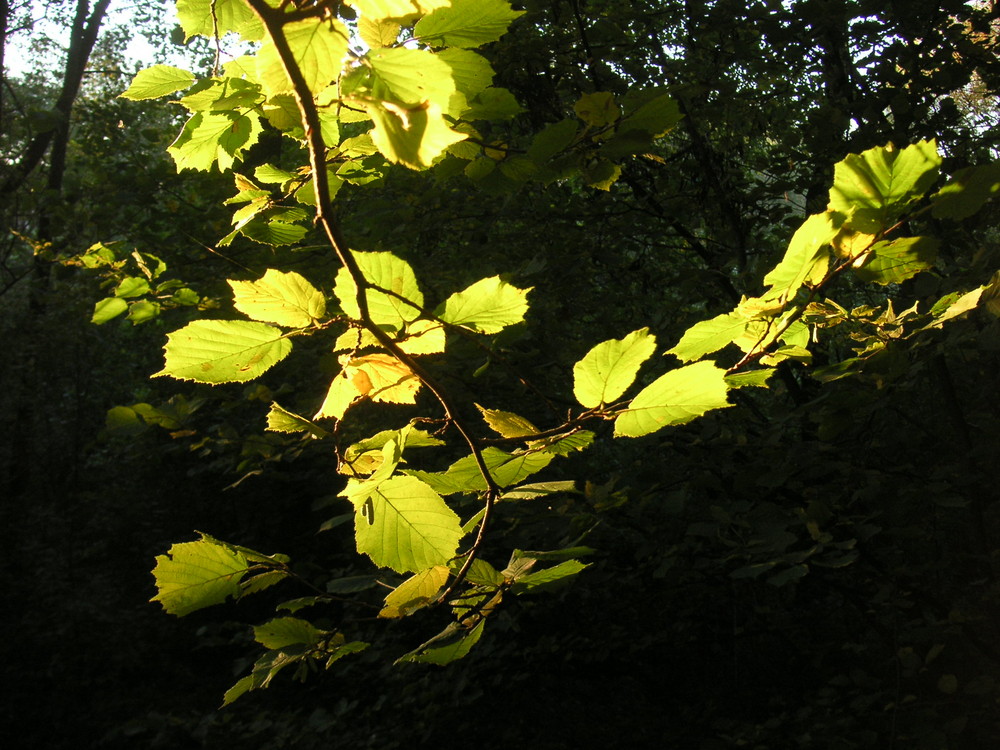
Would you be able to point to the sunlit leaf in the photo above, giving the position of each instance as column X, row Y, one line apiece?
column 279, row 419
column 157, row 81
column 399, row 303
column 807, row 257
column 413, row 136
column 210, row 137
column 380, row 377
column 223, row 351
column 210, row 18
column 608, row 369
column 871, row 188
column 318, row 47
column 407, row 527
column 285, row 298
column 507, row 424
column 899, row 260
column 709, row 336
column 466, row 23
column 108, row 309
column 415, row 592
column 193, row 575
column 673, row 399
column 488, row 306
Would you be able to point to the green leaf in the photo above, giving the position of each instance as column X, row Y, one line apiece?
column 108, row 309
column 209, row 18
column 488, row 306
column 378, row 32
column 552, row 140
column 286, row 631
column 406, row 526
column 451, row 645
column 598, row 109
column 507, row 424
column 279, row 297
column 608, row 369
column 673, row 399
column 415, row 592
column 466, row 23
column 193, row 575
column 506, row 469
column 807, row 257
column 221, row 94
column 318, row 47
column 410, row 77
column 214, row 136
column 709, row 336
column 132, row 286
column 871, row 188
column 279, row 419
column 157, row 81
column 546, row 578
column 656, row 117
column 899, row 260
column 492, row 103
column 143, row 311
column 471, row 72
column 385, row 271
column 412, row 136
column 752, row 379
column 223, row 351
column 966, row 192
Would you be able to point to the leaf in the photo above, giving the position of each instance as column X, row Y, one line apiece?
column 493, row 103
column 423, row 337
column 409, row 527
column 412, row 136
column 607, row 370
column 410, row 77
column 286, row 631
column 384, row 271
column 709, row 336
column 378, row 32
column 214, row 137
column 967, row 302
column 466, row 23
column 108, row 309
column 279, row 297
column 966, row 192
column 471, row 72
column 415, row 592
column 506, row 469
column 871, row 188
column 209, row 18
column 221, row 94
column 656, row 117
column 318, row 47
column 899, row 260
column 598, row 109
column 807, row 257
column 752, row 379
column 193, row 575
column 380, row 377
column 279, row 419
column 546, row 578
column 452, row 644
column 157, row 81
column 488, row 306
column 673, row 399
column 223, row 351
column 507, row 424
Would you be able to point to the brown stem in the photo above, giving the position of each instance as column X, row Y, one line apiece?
column 274, row 21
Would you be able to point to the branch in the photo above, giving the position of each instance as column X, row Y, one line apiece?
column 274, row 21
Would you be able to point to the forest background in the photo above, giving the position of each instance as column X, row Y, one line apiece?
column 814, row 567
